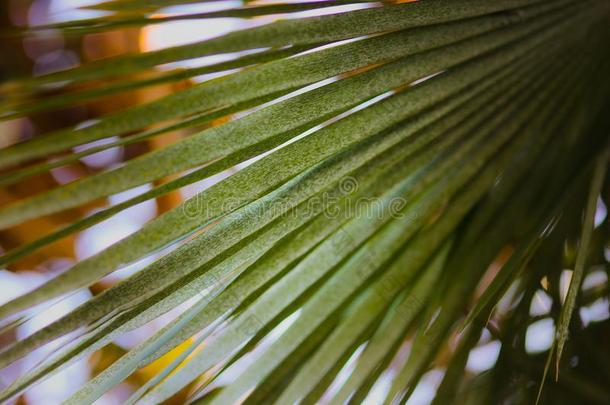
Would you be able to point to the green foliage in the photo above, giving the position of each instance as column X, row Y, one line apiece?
column 399, row 167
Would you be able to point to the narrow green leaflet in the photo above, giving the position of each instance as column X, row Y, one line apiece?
column 91, row 25
column 16, row 109
column 585, row 237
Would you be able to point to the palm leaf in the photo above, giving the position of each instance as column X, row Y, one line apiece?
column 388, row 155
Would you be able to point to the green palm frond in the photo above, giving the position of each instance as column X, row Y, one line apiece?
column 408, row 174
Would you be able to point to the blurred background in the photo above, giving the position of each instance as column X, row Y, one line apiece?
column 49, row 51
